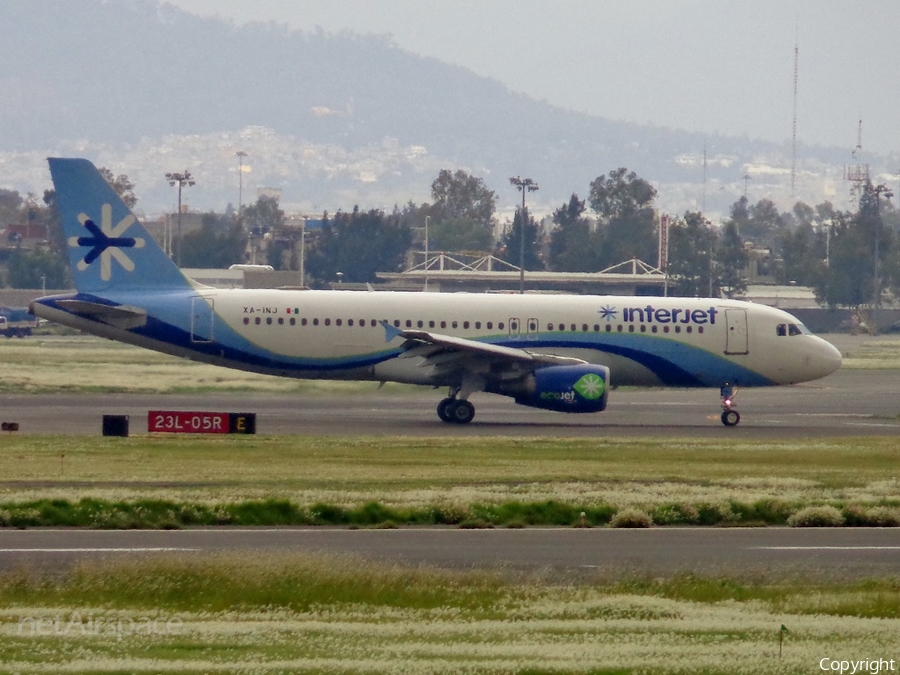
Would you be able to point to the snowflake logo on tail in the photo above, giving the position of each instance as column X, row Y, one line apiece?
column 590, row 386
column 106, row 242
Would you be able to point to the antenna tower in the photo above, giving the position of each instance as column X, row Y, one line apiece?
column 858, row 175
column 794, row 123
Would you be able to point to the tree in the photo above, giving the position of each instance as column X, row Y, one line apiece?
column 263, row 216
column 763, row 225
column 121, row 184
column 37, row 269
column 623, row 203
column 219, row 243
column 462, row 213
column 358, row 245
column 692, row 246
column 511, row 242
column 731, row 259
column 573, row 247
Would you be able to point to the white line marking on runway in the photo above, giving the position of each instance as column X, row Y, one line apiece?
column 134, row 549
column 825, row 548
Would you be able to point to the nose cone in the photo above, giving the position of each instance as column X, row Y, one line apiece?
column 826, row 359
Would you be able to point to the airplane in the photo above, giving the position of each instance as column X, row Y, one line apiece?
column 555, row 352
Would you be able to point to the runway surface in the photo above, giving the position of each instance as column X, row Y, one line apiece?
column 771, row 553
column 847, row 403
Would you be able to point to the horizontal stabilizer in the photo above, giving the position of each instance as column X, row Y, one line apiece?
column 120, row 316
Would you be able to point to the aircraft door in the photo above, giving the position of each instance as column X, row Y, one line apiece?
column 737, row 339
column 202, row 319
column 515, row 328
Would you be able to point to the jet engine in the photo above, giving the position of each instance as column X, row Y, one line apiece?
column 575, row 389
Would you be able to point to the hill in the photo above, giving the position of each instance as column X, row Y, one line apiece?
column 331, row 120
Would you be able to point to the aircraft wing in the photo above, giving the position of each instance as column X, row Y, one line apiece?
column 454, row 358
column 425, row 343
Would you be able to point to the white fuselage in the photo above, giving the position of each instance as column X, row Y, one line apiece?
column 342, row 335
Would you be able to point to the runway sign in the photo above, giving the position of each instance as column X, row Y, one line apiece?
column 187, row 422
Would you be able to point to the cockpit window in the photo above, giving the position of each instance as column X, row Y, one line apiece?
column 791, row 329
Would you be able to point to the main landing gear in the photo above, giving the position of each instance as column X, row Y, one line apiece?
column 455, row 410
column 730, row 416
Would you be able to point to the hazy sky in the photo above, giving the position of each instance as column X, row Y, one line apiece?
column 723, row 66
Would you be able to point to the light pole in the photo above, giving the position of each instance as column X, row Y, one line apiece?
column 427, row 218
column 523, row 185
column 179, row 179
column 878, row 190
column 240, row 155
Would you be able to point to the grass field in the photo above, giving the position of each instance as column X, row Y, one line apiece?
column 291, row 613
column 516, row 481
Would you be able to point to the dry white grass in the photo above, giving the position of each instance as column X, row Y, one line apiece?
column 558, row 631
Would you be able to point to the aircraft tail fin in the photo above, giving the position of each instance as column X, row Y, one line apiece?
column 109, row 249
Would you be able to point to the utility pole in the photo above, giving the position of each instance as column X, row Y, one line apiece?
column 878, row 191
column 240, row 155
column 523, row 185
column 179, row 179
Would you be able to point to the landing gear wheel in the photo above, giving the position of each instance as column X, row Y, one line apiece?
column 461, row 412
column 730, row 418
column 442, row 409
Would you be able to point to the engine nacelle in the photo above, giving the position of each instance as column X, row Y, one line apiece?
column 575, row 389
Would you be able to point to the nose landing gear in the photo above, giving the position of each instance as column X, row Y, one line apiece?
column 730, row 416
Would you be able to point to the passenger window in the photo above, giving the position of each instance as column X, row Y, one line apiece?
column 327, row 322
column 477, row 325
column 246, row 320
column 315, row 322
column 549, row 326
column 490, row 325
column 466, row 325
column 443, row 324
column 303, row 321
column 293, row 321
column 337, row 322
column 431, row 324
column 268, row 320
column 280, row 320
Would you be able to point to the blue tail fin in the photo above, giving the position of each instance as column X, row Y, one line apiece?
column 108, row 247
